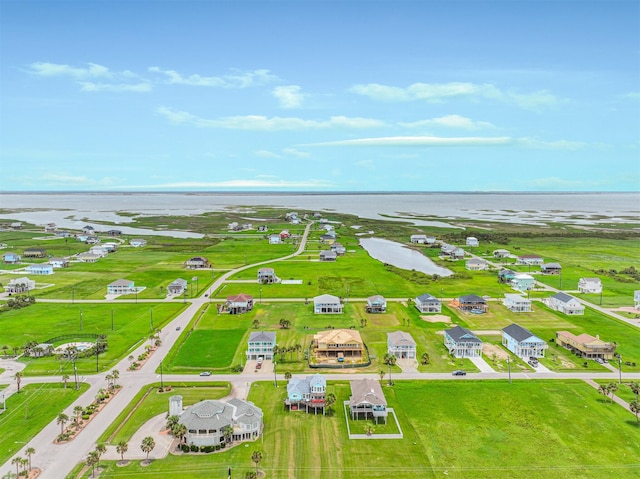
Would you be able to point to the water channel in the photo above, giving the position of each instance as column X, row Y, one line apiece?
column 398, row 255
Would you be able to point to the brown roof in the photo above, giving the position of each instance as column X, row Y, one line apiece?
column 338, row 336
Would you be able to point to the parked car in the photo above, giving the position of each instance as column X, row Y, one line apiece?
column 258, row 365
column 205, row 373
column 260, row 359
column 459, row 372
column 177, row 328
column 533, row 363
column 599, row 360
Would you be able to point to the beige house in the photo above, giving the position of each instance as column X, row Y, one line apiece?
column 338, row 343
column 585, row 345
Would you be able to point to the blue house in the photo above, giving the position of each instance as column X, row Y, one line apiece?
column 39, row 269
column 308, row 392
column 11, row 258
column 523, row 282
column 522, row 342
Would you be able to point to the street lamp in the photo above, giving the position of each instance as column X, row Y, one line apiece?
column 161, row 383
column 151, row 319
column 80, row 320
column 275, row 378
column 261, row 301
column 111, row 319
column 136, row 295
column 195, row 278
column 620, row 368
column 509, row 368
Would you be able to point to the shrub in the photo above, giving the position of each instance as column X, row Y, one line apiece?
column 217, row 447
column 194, row 448
column 86, row 416
column 184, row 448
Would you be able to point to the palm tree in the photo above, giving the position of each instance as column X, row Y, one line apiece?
column 121, row 448
column 172, row 421
column 109, row 378
column 635, row 408
column 17, row 461
column 287, row 375
column 91, row 461
column 604, row 390
column 18, row 377
column 116, row 375
column 256, row 457
column 256, row 324
column 425, row 358
column 130, row 358
column 612, row 388
column 29, row 452
column 62, row 420
column 635, row 389
column 390, row 360
column 25, row 465
column 381, row 373
column 100, row 450
column 4, row 350
column 77, row 411
column 147, row 445
column 329, row 401
column 65, row 378
column 298, row 348
column 227, row 433
column 250, row 475
column 179, row 431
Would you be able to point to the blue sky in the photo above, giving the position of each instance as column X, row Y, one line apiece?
column 320, row 95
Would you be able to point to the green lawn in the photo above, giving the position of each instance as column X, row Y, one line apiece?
column 479, row 429
column 29, row 411
column 149, row 402
column 43, row 321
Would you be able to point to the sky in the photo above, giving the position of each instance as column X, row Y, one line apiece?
column 319, row 96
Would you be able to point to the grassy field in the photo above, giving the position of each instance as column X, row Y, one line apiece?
column 42, row 321
column 477, row 429
column 149, row 402
column 29, row 411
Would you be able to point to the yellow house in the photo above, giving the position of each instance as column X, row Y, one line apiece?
column 586, row 345
column 338, row 343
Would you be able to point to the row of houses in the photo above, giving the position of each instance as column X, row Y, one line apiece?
column 431, row 240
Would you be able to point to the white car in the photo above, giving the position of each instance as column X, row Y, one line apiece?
column 260, row 360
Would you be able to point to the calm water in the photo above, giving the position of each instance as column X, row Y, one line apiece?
column 400, row 256
column 73, row 210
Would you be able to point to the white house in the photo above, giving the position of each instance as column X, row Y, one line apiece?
column 517, row 303
column 19, row 285
column 328, row 255
column 327, row 304
column 501, row 253
column 419, row 239
column 565, row 304
column 551, row 268
column 240, row 303
column 376, row 304
column 59, row 262
column 590, row 285
column 522, row 342
column 462, row 343
column 261, row 345
column 522, row 282
column 88, row 257
column 137, row 242
column 267, row 276
column 100, row 251
column 401, row 345
column 476, row 264
column 529, row 260
column 472, row 241
column 275, row 239
column 427, row 303
column 206, row 421
column 177, row 287
column 121, row 286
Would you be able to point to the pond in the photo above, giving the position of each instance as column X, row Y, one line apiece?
column 398, row 255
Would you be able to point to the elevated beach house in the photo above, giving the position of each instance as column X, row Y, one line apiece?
column 197, row 262
column 208, row 421
column 565, row 304
column 19, row 285
column 338, row 344
column 327, row 304
column 517, row 303
column 427, row 303
column 522, row 342
column 529, row 260
column 267, row 276
column 472, row 303
column 11, row 258
column 239, row 303
column 501, row 253
column 472, row 241
column 401, row 345
column 34, row 253
column 121, row 286
column 476, row 264
column 367, row 400
column 39, row 269
column 551, row 268
column 462, row 343
column 328, row 255
column 260, row 345
column 590, row 285
column 376, row 304
column 523, row 282
column 309, row 393
column 585, row 345
column 177, row 287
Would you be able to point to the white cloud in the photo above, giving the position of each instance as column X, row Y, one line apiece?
column 134, row 87
column 262, row 123
column 421, row 141
column 552, row 145
column 238, row 184
column 450, row 121
column 93, row 70
column 266, row 154
column 438, row 92
column 238, row 79
column 366, row 164
column 288, row 96
column 296, row 153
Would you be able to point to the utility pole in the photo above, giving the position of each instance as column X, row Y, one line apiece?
column 509, row 368
column 80, row 320
column 112, row 319
column 275, row 377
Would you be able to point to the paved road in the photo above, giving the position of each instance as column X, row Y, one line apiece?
column 48, row 455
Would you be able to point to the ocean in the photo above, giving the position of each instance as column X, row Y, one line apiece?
column 74, row 210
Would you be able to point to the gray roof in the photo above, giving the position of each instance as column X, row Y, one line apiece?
column 400, row 338
column 121, row 282
column 472, row 298
column 262, row 337
column 563, row 297
column 427, row 298
column 376, row 299
column 366, row 391
column 211, row 414
column 552, row 265
column 518, row 333
column 458, row 333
